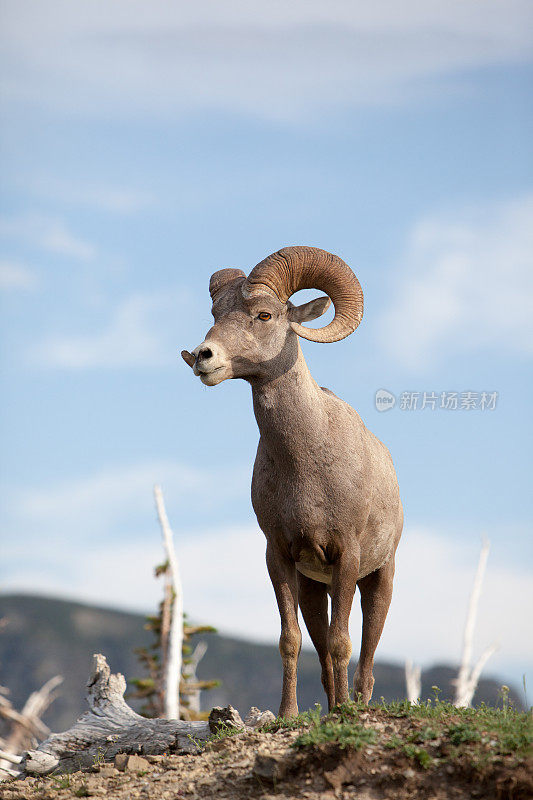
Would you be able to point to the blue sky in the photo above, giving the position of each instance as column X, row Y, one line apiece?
column 144, row 146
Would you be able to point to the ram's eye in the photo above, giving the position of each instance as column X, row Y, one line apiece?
column 264, row 315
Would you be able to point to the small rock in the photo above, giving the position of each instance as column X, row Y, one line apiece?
column 258, row 719
column 127, row 763
column 409, row 773
column 268, row 767
column 121, row 760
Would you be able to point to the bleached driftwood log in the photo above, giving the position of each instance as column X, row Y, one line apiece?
column 111, row 727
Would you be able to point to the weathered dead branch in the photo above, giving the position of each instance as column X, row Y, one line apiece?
column 24, row 728
column 191, row 690
column 175, row 635
column 468, row 677
column 413, row 681
column 111, row 727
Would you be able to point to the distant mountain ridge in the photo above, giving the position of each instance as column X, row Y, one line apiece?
column 46, row 636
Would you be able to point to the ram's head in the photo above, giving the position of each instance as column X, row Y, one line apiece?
column 255, row 322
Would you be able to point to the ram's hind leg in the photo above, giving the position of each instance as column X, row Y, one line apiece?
column 376, row 594
column 313, row 600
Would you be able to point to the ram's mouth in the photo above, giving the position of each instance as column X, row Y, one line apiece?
column 212, row 377
column 200, row 371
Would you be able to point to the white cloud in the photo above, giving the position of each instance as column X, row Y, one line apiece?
column 466, row 285
column 96, row 537
column 47, row 233
column 226, row 584
column 58, row 239
column 15, row 276
column 93, row 504
column 271, row 58
column 137, row 335
column 107, row 198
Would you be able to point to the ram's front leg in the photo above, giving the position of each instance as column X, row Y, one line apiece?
column 343, row 585
column 283, row 576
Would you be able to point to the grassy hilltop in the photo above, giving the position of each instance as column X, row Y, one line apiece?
column 390, row 751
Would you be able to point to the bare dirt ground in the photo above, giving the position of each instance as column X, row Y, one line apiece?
column 264, row 765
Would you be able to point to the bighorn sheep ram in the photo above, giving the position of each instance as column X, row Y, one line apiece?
column 324, row 488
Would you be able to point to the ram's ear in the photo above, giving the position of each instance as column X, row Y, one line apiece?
column 188, row 358
column 309, row 311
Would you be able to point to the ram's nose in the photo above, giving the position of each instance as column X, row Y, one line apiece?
column 206, row 356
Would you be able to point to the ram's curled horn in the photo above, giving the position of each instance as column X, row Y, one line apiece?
column 293, row 268
column 221, row 278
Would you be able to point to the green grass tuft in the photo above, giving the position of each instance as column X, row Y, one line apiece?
column 463, row 732
column 418, row 754
column 345, row 734
column 223, row 732
column 303, row 720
